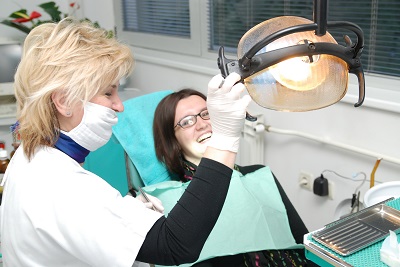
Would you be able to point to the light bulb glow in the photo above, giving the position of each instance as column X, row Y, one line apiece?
column 299, row 73
column 293, row 73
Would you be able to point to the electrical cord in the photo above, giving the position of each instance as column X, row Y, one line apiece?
column 355, row 201
column 353, row 178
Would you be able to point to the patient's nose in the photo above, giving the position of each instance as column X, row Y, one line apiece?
column 201, row 123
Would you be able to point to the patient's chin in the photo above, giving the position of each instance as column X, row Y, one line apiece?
column 203, row 147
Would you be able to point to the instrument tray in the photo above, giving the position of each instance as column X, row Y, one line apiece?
column 359, row 230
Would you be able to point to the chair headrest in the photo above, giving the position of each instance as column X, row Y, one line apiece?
column 134, row 131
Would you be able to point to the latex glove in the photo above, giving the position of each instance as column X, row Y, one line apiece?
column 227, row 111
column 154, row 203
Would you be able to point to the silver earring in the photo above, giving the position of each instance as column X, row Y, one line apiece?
column 68, row 113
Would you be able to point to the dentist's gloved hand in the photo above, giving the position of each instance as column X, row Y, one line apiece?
column 154, row 202
column 227, row 111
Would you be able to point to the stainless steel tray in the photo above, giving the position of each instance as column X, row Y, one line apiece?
column 359, row 230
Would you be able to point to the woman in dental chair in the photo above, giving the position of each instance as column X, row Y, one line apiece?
column 181, row 131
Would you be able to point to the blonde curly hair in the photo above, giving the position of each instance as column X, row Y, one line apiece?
column 74, row 57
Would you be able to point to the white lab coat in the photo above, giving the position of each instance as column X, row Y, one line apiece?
column 55, row 213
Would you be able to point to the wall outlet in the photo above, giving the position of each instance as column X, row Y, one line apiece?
column 306, row 180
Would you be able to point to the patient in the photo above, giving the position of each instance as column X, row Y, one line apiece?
column 181, row 131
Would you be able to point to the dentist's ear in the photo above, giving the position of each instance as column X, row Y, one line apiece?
column 59, row 101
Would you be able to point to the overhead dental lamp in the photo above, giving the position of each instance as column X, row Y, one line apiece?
column 290, row 63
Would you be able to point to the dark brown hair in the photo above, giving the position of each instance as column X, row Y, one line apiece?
column 166, row 145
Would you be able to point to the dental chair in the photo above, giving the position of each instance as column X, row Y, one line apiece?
column 112, row 163
column 128, row 161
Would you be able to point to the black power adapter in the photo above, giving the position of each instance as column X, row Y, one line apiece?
column 320, row 186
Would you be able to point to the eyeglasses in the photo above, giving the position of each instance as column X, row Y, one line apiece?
column 191, row 120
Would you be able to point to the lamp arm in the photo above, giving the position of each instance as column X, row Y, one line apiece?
column 358, row 48
column 245, row 60
column 270, row 58
column 267, row 59
column 354, row 28
column 320, row 15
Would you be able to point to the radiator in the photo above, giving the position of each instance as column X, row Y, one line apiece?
column 251, row 148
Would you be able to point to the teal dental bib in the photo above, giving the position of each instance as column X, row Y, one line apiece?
column 253, row 217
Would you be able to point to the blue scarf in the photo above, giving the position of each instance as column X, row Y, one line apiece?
column 71, row 148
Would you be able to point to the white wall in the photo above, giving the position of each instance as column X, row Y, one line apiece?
column 370, row 128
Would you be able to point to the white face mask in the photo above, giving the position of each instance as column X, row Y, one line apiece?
column 95, row 128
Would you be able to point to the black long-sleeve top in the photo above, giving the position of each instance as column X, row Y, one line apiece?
column 180, row 238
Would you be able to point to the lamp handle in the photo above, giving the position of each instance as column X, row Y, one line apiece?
column 222, row 65
column 361, row 85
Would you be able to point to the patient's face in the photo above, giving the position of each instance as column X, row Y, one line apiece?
column 193, row 140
